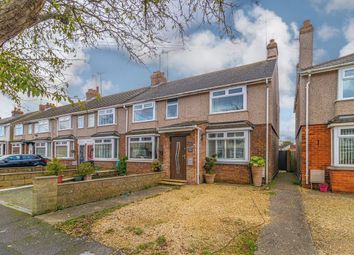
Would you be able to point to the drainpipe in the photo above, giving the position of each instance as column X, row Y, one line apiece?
column 307, row 127
column 126, row 128
column 198, row 152
column 267, row 132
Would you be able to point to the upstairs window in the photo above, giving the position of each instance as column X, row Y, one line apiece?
column 2, row 131
column 228, row 100
column 64, row 122
column 344, row 146
column 80, row 121
column 30, row 129
column 19, row 129
column 106, row 117
column 172, row 109
column 41, row 126
column 144, row 112
column 346, row 84
column 91, row 120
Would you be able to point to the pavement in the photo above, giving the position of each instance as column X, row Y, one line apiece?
column 19, row 198
column 288, row 232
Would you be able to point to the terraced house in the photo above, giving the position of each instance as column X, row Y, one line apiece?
column 324, row 108
column 233, row 113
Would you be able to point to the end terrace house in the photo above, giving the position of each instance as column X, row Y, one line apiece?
column 324, row 107
column 233, row 113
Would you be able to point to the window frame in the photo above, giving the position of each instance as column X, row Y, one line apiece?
column 335, row 147
column 80, row 117
column 60, row 119
column 246, row 137
column 30, row 128
column 16, row 145
column 341, row 77
column 46, row 145
column 2, row 133
column 172, row 104
column 227, row 94
column 155, row 146
column 16, row 127
column 115, row 145
column 68, row 146
column 99, row 113
column 41, row 122
column 142, row 104
column 91, row 115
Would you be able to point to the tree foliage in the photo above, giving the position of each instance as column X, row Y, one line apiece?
column 39, row 38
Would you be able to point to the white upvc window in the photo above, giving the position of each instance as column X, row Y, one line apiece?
column 172, row 108
column 2, row 149
column 228, row 146
column 30, row 127
column 42, row 126
column 106, row 117
column 142, row 147
column 91, row 120
column 105, row 149
column 2, row 131
column 343, row 146
column 228, row 100
column 64, row 149
column 80, row 121
column 19, row 129
column 43, row 149
column 16, row 148
column 144, row 112
column 346, row 83
column 64, row 123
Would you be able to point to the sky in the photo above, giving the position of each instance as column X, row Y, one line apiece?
column 204, row 51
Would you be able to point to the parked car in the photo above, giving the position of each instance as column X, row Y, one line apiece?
column 19, row 160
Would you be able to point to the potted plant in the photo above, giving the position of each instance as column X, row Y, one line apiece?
column 209, row 165
column 156, row 166
column 54, row 167
column 86, row 170
column 257, row 164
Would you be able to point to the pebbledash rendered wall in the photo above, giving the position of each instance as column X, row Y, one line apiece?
column 48, row 195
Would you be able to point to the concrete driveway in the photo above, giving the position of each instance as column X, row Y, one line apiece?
column 21, row 234
column 19, row 198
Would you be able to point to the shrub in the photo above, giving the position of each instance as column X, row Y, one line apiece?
column 156, row 166
column 209, row 164
column 257, row 161
column 86, row 168
column 54, row 167
column 122, row 168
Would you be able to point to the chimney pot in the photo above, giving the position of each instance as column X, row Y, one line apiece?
column 157, row 78
column 43, row 107
column 272, row 50
column 92, row 93
column 16, row 112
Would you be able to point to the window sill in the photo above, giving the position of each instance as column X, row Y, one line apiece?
column 214, row 113
column 105, row 125
column 105, row 159
column 145, row 121
column 67, row 129
column 341, row 168
column 344, row 99
column 232, row 162
column 140, row 160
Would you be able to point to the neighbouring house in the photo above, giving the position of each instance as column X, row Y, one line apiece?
column 324, row 108
column 233, row 113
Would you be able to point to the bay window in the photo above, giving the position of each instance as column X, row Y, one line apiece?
column 91, row 120
column 105, row 148
column 228, row 146
column 80, row 121
column 19, row 129
column 64, row 149
column 144, row 112
column 343, row 146
column 43, row 149
column 142, row 147
column 346, row 83
column 106, row 117
column 228, row 100
column 172, row 108
column 42, row 126
column 64, row 122
column 16, row 148
column 2, row 131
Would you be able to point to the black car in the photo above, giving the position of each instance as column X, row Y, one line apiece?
column 19, row 160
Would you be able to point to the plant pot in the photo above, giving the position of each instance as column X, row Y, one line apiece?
column 209, row 178
column 323, row 187
column 60, row 178
column 257, row 175
column 78, row 178
column 88, row 177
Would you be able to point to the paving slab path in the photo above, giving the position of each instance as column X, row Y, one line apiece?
column 288, row 232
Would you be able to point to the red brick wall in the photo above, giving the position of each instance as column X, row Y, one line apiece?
column 122, row 146
column 233, row 173
column 342, row 180
column 106, row 164
column 138, row 167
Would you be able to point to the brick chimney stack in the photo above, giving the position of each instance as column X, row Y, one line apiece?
column 43, row 107
column 306, row 45
column 92, row 93
column 157, row 78
column 272, row 50
column 16, row 112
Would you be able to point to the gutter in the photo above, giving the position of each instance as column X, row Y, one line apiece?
column 267, row 133
column 325, row 69
column 307, row 127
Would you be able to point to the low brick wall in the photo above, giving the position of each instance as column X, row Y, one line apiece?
column 138, row 167
column 25, row 178
column 342, row 180
column 6, row 170
column 76, row 193
column 231, row 173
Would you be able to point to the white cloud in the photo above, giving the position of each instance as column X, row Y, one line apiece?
column 206, row 52
column 339, row 5
column 327, row 32
column 319, row 55
column 6, row 106
column 349, row 36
